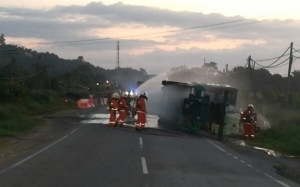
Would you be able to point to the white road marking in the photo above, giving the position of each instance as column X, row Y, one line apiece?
column 141, row 142
column 269, row 176
column 249, row 166
column 278, row 181
column 144, row 165
column 215, row 145
column 235, row 157
column 31, row 156
column 242, row 161
column 73, row 131
column 96, row 121
column 282, row 183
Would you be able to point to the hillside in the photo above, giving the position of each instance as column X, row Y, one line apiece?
column 48, row 71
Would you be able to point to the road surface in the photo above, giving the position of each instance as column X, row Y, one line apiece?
column 91, row 154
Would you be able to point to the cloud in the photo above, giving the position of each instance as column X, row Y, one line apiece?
column 178, row 38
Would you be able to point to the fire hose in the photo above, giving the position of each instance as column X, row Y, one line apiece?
column 154, row 131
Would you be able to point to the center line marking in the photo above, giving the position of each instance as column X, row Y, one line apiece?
column 144, row 165
column 141, row 142
column 249, row 166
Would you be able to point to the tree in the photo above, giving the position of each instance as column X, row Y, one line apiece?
column 210, row 68
column 80, row 58
column 144, row 72
column 2, row 39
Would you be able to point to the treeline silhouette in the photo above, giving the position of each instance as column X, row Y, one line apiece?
column 47, row 72
column 263, row 88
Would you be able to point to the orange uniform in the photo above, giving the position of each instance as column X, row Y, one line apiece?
column 113, row 108
column 123, row 108
column 141, row 113
column 249, row 118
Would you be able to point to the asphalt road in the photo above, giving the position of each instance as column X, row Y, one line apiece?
column 92, row 154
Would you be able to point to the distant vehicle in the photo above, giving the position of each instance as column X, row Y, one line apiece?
column 198, row 106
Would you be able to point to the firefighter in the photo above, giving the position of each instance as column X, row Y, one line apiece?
column 113, row 109
column 123, row 109
column 249, row 119
column 141, row 111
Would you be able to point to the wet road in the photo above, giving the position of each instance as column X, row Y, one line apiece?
column 93, row 154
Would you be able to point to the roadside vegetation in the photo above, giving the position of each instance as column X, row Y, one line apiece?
column 33, row 83
column 19, row 108
column 283, row 136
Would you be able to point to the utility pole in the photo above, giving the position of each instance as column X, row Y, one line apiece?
column 49, row 77
column 251, row 75
column 118, row 60
column 226, row 69
column 48, row 81
column 11, row 70
column 13, row 60
column 289, row 74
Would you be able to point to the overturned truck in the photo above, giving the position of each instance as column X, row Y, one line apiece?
column 198, row 106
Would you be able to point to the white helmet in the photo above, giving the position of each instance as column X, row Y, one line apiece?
column 145, row 94
column 124, row 94
column 115, row 95
column 250, row 106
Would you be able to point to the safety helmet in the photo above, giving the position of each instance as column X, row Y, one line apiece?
column 124, row 94
column 115, row 95
column 250, row 106
column 145, row 94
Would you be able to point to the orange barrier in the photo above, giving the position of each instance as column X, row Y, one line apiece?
column 85, row 103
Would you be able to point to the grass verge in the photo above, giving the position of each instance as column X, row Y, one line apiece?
column 19, row 119
column 283, row 137
column 284, row 140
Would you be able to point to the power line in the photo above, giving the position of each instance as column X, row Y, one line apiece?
column 221, row 27
column 148, row 34
column 112, row 40
column 270, row 65
column 24, row 77
column 272, row 58
column 298, row 57
column 296, row 50
column 275, row 66
column 142, row 43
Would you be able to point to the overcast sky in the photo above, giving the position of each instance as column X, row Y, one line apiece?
column 156, row 35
